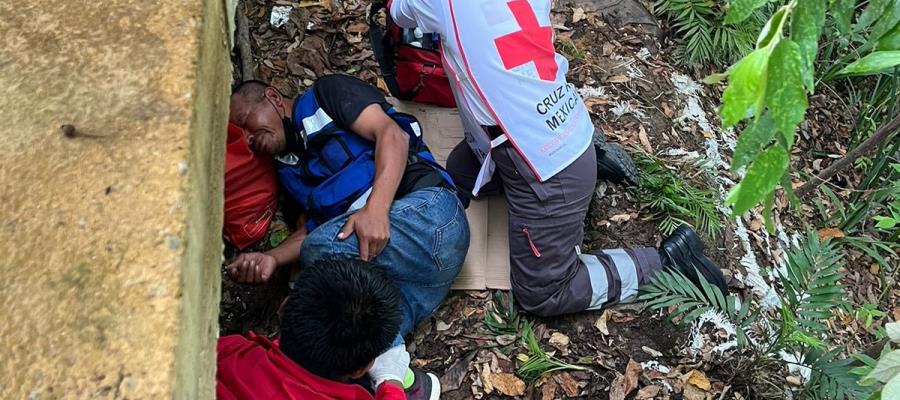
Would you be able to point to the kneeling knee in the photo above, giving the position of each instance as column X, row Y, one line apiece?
column 536, row 303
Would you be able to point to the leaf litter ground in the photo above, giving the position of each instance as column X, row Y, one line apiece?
column 626, row 81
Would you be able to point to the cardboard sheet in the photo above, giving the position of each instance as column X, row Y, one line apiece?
column 487, row 264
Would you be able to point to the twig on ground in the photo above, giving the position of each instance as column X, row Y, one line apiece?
column 864, row 148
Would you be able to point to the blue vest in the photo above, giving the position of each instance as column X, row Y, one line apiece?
column 334, row 170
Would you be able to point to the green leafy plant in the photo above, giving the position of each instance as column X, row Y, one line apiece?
column 878, row 193
column 673, row 200
column 768, row 87
column 537, row 362
column 501, row 317
column 570, row 49
column 811, row 292
column 891, row 218
column 884, row 373
column 671, row 288
column 702, row 36
column 868, row 313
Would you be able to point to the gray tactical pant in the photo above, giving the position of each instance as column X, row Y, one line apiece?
column 546, row 224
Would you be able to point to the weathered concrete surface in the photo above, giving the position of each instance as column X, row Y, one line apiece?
column 110, row 244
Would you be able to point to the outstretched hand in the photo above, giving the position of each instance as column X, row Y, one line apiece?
column 252, row 268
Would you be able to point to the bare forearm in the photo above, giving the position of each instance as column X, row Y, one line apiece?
column 391, row 149
column 288, row 251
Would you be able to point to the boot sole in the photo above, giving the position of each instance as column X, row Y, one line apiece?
column 615, row 158
column 435, row 387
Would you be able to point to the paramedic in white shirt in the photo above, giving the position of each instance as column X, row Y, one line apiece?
column 529, row 138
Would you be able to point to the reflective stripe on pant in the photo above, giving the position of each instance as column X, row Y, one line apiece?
column 616, row 274
column 546, row 224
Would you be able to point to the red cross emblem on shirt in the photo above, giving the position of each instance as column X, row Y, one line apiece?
column 533, row 43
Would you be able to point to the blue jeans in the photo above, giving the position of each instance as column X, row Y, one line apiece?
column 428, row 243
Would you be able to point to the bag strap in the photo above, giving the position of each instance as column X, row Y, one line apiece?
column 383, row 47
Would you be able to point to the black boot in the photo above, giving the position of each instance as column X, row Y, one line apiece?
column 613, row 163
column 683, row 251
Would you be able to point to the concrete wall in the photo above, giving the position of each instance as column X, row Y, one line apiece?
column 110, row 241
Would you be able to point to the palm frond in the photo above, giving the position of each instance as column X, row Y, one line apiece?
column 831, row 377
column 702, row 36
column 812, row 287
column 673, row 200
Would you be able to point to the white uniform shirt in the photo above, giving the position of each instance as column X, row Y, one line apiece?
column 431, row 16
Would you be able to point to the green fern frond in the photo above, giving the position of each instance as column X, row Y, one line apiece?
column 831, row 377
column 671, row 288
column 812, row 284
column 702, row 36
column 674, row 201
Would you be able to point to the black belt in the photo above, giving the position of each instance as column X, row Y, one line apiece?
column 493, row 131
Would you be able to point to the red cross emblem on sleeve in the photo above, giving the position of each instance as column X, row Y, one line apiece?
column 532, row 43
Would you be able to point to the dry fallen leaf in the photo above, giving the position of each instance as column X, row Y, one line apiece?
column 578, row 15
column 621, row 318
column 592, row 101
column 618, row 79
column 601, row 323
column 620, row 217
column 645, row 141
column 830, row 233
column 692, row 392
column 696, row 378
column 559, row 340
column 667, row 110
column 651, row 351
column 794, row 380
column 357, row 28
column 453, row 376
column 486, row 378
column 507, row 383
column 617, row 388
column 625, row 384
column 632, row 371
column 756, row 225
column 548, row 390
column 567, row 383
column 441, row 326
column 505, row 340
column 647, row 393
column 874, row 268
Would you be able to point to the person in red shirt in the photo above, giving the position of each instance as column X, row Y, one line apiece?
column 340, row 316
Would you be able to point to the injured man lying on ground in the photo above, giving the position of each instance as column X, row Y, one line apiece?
column 372, row 196
column 368, row 188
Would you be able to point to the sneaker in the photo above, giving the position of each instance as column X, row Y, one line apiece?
column 613, row 163
column 425, row 386
column 683, row 251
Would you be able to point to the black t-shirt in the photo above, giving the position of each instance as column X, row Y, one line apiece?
column 344, row 97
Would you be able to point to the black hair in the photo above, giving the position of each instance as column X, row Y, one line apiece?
column 340, row 315
column 252, row 90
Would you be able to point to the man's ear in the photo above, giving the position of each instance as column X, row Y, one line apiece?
column 275, row 96
column 358, row 374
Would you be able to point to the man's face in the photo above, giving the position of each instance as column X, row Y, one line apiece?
column 261, row 122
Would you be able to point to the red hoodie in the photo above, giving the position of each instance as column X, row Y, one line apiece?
column 255, row 368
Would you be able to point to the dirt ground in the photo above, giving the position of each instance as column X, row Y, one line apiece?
column 628, row 63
